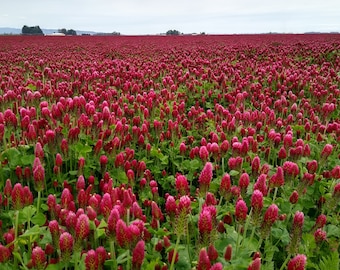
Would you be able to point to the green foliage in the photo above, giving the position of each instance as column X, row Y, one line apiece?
column 327, row 262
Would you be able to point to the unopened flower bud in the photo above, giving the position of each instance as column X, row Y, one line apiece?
column 39, row 151
column 294, row 197
column 8, row 188
column 203, row 153
column 228, row 253
column 225, row 186
column 290, row 169
column 241, row 210
column 58, row 160
column 182, row 185
column 255, row 165
column 244, row 182
column 138, row 254
column 312, row 166
column 122, row 234
column 320, row 221
column 336, row 191
column 205, row 222
column 271, row 215
column 5, row 254
column 17, row 196
column 203, row 260
column 182, row 148
column 217, row 266
column 112, row 222
column 156, row 211
column 298, row 219
column 171, row 206
column 320, row 236
column 81, row 164
column 205, row 177
column 326, row 151
column 255, row 264
column 212, row 253
column 257, row 201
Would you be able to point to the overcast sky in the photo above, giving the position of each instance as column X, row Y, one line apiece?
column 187, row 16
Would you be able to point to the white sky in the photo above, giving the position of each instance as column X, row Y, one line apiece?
column 187, row 16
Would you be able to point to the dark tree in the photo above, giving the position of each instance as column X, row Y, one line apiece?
column 25, row 30
column 173, row 33
column 62, row 30
column 31, row 30
column 71, row 32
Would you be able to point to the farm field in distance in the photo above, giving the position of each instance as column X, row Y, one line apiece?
column 170, row 152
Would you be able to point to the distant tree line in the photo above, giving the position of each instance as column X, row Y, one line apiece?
column 31, row 30
column 114, row 33
column 69, row 32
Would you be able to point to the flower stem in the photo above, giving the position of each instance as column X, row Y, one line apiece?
column 275, row 193
column 39, row 201
column 238, row 238
column 16, row 238
column 127, row 216
column 128, row 266
column 76, row 265
column 188, row 245
column 260, row 243
column 219, row 203
column 113, row 254
column 175, row 253
column 285, row 262
column 246, row 226
column 4, row 142
column 200, row 203
column 252, row 234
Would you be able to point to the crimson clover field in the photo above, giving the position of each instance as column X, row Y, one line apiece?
column 170, row 152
